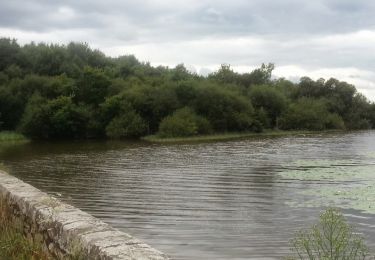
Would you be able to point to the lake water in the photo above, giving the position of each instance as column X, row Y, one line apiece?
column 221, row 200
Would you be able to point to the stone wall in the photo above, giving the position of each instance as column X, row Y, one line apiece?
column 64, row 231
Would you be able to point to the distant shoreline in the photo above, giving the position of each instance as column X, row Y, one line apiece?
column 10, row 136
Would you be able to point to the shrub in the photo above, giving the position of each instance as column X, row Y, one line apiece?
column 183, row 122
column 126, row 125
column 332, row 238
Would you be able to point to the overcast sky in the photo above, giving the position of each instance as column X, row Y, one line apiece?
column 317, row 38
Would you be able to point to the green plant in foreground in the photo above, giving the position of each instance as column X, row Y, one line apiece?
column 331, row 239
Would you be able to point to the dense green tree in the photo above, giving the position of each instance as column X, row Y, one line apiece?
column 13, row 71
column 15, row 94
column 11, row 108
column 226, row 110
column 286, row 87
column 371, row 115
column 153, row 103
column 121, row 120
column 73, row 91
column 312, row 89
column 225, row 75
column 92, row 87
column 310, row 114
column 259, row 76
column 56, row 118
column 358, row 115
column 271, row 100
column 126, row 66
column 9, row 52
column 186, row 92
column 128, row 124
column 180, row 73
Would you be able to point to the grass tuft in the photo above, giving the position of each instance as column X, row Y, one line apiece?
column 13, row 244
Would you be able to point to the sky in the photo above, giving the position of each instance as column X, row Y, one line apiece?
column 319, row 38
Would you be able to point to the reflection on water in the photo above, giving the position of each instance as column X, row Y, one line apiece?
column 225, row 200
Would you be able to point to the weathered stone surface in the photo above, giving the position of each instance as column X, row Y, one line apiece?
column 66, row 231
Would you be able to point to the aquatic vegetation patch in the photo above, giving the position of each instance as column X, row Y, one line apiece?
column 338, row 183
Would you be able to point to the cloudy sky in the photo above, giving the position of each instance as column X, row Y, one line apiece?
column 320, row 38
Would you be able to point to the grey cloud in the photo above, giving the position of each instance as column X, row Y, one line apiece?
column 195, row 18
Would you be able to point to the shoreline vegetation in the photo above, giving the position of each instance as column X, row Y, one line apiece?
column 66, row 92
column 235, row 136
column 11, row 136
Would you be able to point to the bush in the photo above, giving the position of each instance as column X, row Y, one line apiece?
column 183, row 122
column 332, row 238
column 127, row 125
column 120, row 119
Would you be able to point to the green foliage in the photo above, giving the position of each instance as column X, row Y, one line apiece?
column 332, row 238
column 359, row 114
column 334, row 121
column 371, row 115
column 271, row 100
column 56, row 118
column 92, row 86
column 153, row 103
column 180, row 73
column 258, row 76
column 128, row 124
column 225, row 75
column 262, row 117
column 227, row 110
column 9, row 51
column 262, row 75
column 183, row 122
column 73, row 91
column 7, row 136
column 310, row 114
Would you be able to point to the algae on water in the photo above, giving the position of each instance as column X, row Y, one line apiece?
column 338, row 183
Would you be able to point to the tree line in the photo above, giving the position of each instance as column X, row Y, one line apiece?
column 50, row 91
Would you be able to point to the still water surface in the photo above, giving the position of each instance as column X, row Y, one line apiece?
column 223, row 200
